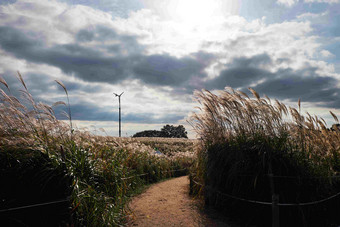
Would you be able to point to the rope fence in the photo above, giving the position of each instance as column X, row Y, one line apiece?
column 138, row 175
column 144, row 174
column 35, row 205
column 268, row 203
column 176, row 170
column 68, row 198
column 300, row 177
column 294, row 177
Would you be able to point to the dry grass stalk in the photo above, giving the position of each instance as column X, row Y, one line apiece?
column 233, row 113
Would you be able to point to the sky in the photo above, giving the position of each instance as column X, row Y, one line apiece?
column 159, row 51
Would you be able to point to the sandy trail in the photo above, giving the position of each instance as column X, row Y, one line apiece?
column 168, row 204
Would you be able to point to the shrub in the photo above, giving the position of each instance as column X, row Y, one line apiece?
column 246, row 140
column 27, row 178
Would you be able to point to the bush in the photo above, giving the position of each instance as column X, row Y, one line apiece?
column 246, row 140
column 242, row 170
column 149, row 133
column 27, row 178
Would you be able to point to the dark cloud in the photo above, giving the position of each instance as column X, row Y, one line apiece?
column 90, row 112
column 152, row 118
column 101, row 33
column 128, row 61
column 36, row 83
column 305, row 84
column 85, row 63
column 259, row 60
column 204, row 58
column 167, row 70
column 75, row 86
column 89, row 64
column 6, row 2
column 84, row 36
column 13, row 83
column 39, row 85
column 286, row 83
column 242, row 72
column 86, row 112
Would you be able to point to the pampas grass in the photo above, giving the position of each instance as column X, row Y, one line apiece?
column 243, row 139
column 105, row 170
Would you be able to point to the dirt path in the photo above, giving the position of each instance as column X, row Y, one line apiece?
column 168, row 204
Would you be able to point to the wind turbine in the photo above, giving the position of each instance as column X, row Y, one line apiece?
column 119, row 112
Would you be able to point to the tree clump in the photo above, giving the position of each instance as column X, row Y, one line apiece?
column 168, row 131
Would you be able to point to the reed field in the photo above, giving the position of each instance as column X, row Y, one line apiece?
column 252, row 148
column 168, row 146
column 249, row 149
column 95, row 176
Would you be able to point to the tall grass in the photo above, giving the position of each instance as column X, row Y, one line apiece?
column 244, row 140
column 105, row 170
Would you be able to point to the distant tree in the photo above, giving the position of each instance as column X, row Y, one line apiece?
column 148, row 133
column 171, row 131
column 168, row 131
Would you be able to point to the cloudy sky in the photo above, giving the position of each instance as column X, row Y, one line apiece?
column 159, row 51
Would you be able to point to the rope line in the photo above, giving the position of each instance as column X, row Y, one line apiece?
column 176, row 170
column 310, row 203
column 143, row 174
column 238, row 198
column 66, row 200
column 138, row 175
column 34, row 205
column 269, row 203
column 299, row 177
column 292, row 177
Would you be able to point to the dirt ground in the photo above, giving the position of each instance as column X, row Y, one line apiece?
column 168, row 204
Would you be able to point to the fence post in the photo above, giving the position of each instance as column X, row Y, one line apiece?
column 275, row 211
column 275, row 197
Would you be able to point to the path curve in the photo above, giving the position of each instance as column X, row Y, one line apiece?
column 168, row 204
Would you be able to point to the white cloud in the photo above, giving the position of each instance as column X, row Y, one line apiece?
column 326, row 53
column 53, row 21
column 312, row 15
column 290, row 3
column 226, row 37
column 323, row 1
column 287, row 2
column 288, row 44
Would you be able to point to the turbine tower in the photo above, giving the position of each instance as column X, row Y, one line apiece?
column 120, row 130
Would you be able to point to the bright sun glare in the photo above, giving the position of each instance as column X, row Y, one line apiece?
column 194, row 11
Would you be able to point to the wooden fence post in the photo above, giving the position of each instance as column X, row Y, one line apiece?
column 275, row 197
column 275, row 211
